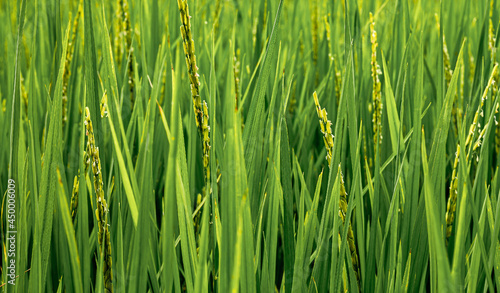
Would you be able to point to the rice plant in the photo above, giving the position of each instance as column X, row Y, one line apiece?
column 249, row 146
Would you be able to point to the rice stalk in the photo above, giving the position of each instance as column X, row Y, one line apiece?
column 200, row 109
column 74, row 198
column 67, row 71
column 218, row 8
column 117, row 30
column 127, row 32
column 452, row 199
column 350, row 234
column 479, row 112
column 102, row 208
column 326, row 129
column 206, row 141
column 376, row 94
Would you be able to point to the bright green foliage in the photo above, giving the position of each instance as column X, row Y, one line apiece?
column 304, row 146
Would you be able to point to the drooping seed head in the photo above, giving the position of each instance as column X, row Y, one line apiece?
column 376, row 93
column 101, row 209
column 326, row 128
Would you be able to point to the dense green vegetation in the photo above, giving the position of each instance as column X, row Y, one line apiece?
column 292, row 146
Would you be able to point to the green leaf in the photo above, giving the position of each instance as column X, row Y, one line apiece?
column 51, row 159
column 91, row 78
column 392, row 114
column 440, row 268
column 288, row 221
column 256, row 116
column 70, row 237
